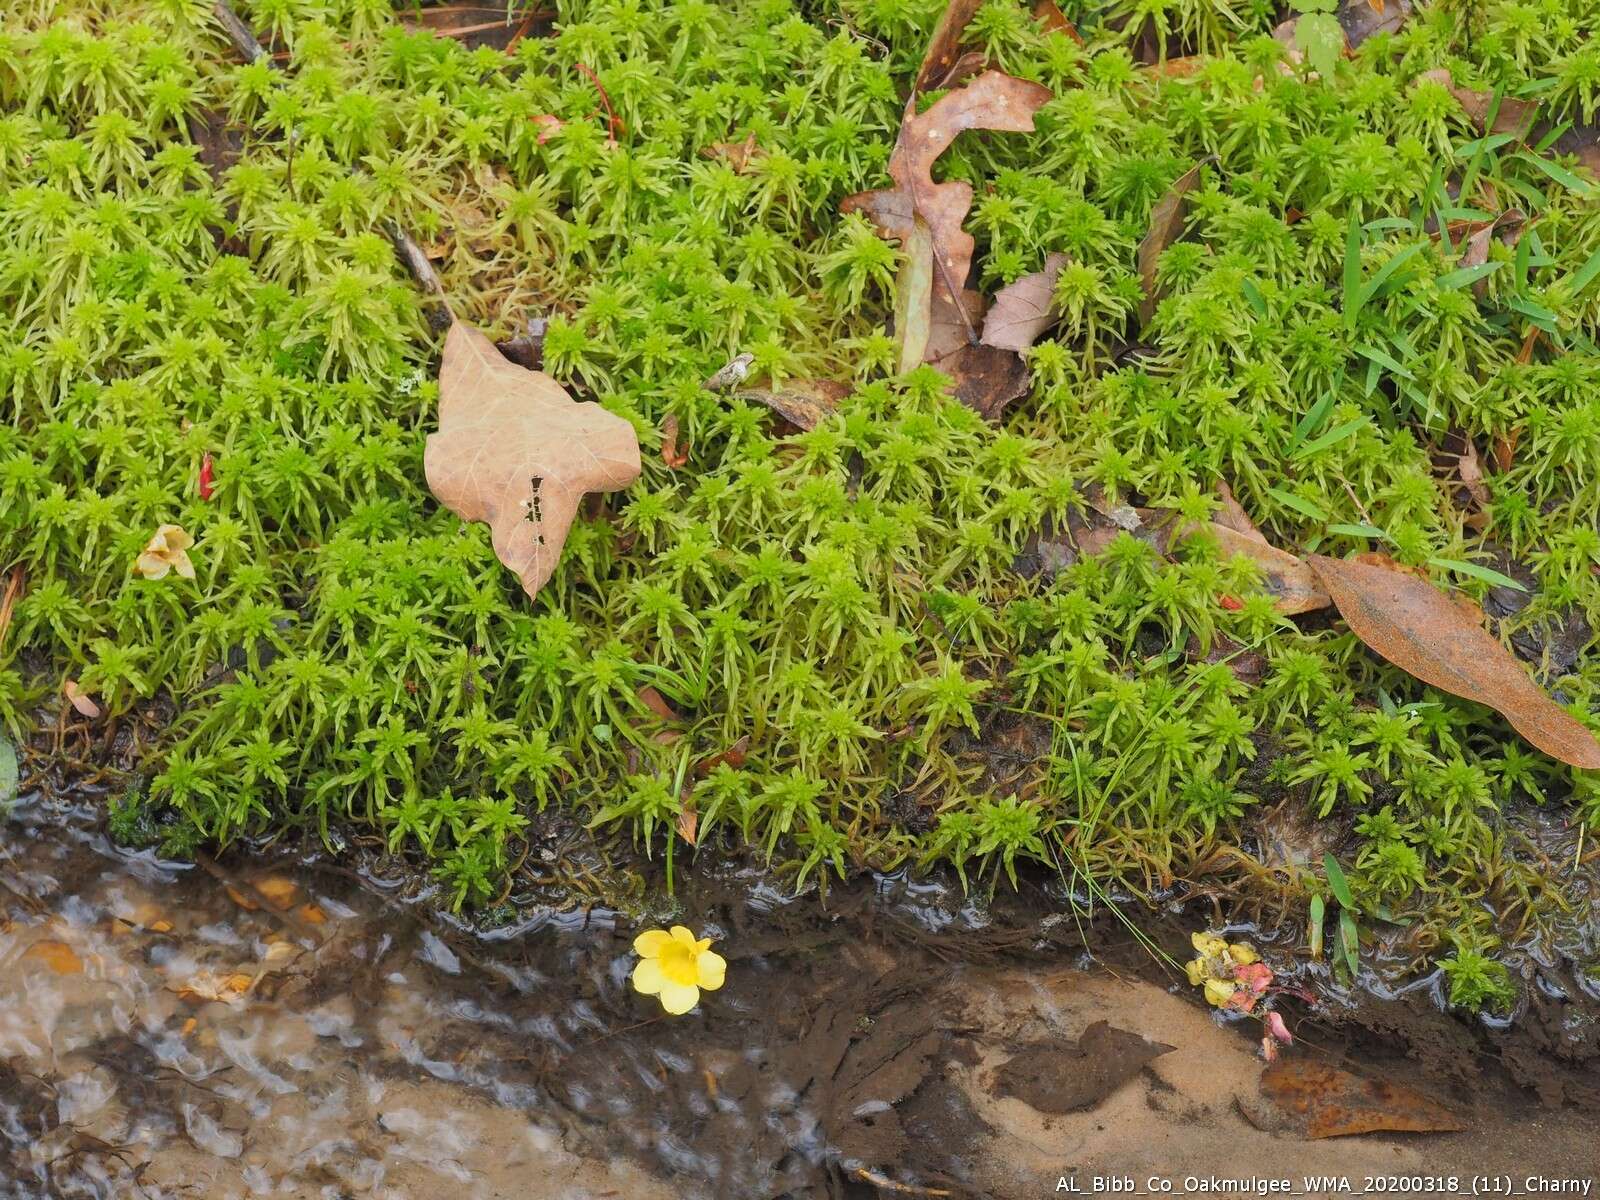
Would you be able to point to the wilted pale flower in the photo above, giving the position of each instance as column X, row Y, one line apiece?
column 1230, row 973
column 674, row 967
column 167, row 551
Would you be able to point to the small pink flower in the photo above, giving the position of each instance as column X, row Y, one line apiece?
column 1276, row 1029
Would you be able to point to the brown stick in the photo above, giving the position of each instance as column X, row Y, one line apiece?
column 240, row 34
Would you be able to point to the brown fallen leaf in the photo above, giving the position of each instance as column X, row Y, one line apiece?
column 1233, row 516
column 986, row 379
column 1441, row 640
column 80, row 699
column 734, row 756
column 515, row 450
column 804, row 403
column 1471, row 472
column 738, row 155
column 1329, row 1102
column 1476, row 251
column 991, row 101
column 944, row 48
column 671, row 453
column 657, row 704
column 1294, row 586
column 1175, row 68
column 688, row 822
column 1166, row 227
column 1052, row 20
column 58, row 956
column 948, row 327
column 1514, row 116
column 1023, row 310
column 474, row 23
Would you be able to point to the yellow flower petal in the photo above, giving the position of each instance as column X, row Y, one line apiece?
column 651, row 942
column 702, row 945
column 684, row 934
column 647, row 977
column 1195, row 968
column 176, row 537
column 1208, row 945
column 1243, row 953
column 1219, row 991
column 710, row 970
column 679, row 998
column 181, row 564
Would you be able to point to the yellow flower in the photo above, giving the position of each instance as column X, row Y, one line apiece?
column 674, row 967
column 167, row 551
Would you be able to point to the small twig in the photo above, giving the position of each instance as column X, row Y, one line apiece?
column 884, row 1184
column 611, row 113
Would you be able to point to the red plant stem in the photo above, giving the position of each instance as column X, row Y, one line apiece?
column 611, row 113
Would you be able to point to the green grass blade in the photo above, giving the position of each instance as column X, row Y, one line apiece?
column 1350, row 941
column 1383, row 360
column 1487, row 574
column 1559, row 173
column 1366, row 531
column 1353, row 299
column 1337, row 434
column 1314, row 926
column 1583, row 276
column 1299, row 503
column 1337, row 883
column 1465, row 275
column 1311, row 422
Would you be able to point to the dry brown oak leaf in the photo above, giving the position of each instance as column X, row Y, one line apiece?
column 515, row 450
column 993, row 100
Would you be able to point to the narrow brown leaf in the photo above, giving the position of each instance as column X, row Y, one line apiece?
column 1476, row 251
column 1052, row 20
column 8, row 601
column 1022, row 310
column 1326, row 1101
column 1441, row 640
column 1166, row 226
column 671, row 453
column 515, row 450
column 1505, row 450
column 991, row 101
column 944, row 48
column 804, row 403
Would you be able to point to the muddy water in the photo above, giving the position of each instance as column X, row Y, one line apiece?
column 290, row 1030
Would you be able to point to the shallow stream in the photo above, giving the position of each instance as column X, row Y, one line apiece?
column 297, row 1029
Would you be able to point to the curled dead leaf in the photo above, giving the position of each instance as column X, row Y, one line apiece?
column 732, row 373
column 206, row 987
column 1166, row 227
column 991, row 101
column 734, row 756
column 944, row 48
column 671, row 453
column 1022, row 310
column 1441, row 640
column 657, row 704
column 688, row 822
column 516, row 451
column 804, row 403
column 1471, row 472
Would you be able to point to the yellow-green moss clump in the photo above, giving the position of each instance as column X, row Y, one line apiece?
column 849, row 599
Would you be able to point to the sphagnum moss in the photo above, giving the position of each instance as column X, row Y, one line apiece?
column 848, row 598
